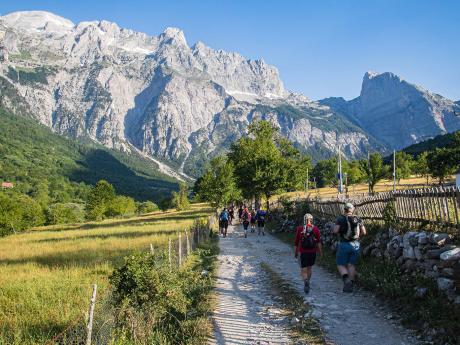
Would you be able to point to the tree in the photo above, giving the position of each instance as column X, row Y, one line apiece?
column 121, row 206
column 180, row 199
column 325, row 172
column 218, row 185
column 420, row 166
column 374, row 169
column 146, row 207
column 65, row 213
column 443, row 162
column 404, row 163
column 354, row 172
column 260, row 168
column 99, row 200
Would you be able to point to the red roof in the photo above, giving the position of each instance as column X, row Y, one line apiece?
column 7, row 185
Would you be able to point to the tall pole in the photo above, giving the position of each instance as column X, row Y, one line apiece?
column 306, row 185
column 394, row 170
column 340, row 172
column 369, row 170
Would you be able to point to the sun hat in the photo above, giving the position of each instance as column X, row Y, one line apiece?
column 348, row 206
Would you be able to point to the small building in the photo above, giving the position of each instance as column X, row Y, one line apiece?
column 457, row 178
column 7, row 185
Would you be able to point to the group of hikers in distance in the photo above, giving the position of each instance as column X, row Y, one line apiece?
column 245, row 217
column 307, row 244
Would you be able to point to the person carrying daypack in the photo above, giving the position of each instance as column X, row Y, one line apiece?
column 260, row 216
column 349, row 228
column 223, row 220
column 240, row 213
column 253, row 221
column 246, row 218
column 307, row 244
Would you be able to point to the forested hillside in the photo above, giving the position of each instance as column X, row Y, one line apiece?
column 44, row 165
column 439, row 141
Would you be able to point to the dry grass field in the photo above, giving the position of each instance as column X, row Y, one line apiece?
column 46, row 274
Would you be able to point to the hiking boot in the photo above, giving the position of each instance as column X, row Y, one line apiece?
column 245, row 235
column 347, row 286
column 306, row 286
column 263, row 233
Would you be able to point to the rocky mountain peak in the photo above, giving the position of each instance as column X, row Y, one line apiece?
column 173, row 36
column 37, row 21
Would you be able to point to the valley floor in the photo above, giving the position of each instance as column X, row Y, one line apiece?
column 247, row 313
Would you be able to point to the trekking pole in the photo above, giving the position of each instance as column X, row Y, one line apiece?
column 89, row 327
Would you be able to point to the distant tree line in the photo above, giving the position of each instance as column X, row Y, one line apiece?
column 263, row 163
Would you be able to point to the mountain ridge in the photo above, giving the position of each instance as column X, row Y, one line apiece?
column 174, row 103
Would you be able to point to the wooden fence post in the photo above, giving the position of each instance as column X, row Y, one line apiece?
column 152, row 250
column 89, row 327
column 180, row 250
column 188, row 242
column 169, row 253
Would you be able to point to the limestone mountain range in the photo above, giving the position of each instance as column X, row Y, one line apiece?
column 179, row 104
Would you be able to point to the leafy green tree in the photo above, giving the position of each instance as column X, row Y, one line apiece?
column 374, row 169
column 404, row 163
column 443, row 162
column 121, row 206
column 65, row 213
column 19, row 212
column 355, row 173
column 218, row 184
column 420, row 166
column 325, row 172
column 99, row 199
column 180, row 199
column 146, row 207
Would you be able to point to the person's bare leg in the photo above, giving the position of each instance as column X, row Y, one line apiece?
column 305, row 273
column 342, row 270
column 351, row 272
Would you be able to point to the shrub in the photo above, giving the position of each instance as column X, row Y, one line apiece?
column 65, row 213
column 146, row 207
column 121, row 206
column 180, row 199
column 18, row 213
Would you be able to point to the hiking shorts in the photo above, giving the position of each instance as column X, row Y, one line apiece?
column 261, row 223
column 347, row 253
column 224, row 224
column 245, row 225
column 307, row 259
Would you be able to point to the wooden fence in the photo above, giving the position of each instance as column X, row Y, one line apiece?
column 428, row 207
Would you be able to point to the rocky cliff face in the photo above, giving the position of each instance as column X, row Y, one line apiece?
column 177, row 104
column 398, row 113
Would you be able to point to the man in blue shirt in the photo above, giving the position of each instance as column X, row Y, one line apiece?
column 260, row 216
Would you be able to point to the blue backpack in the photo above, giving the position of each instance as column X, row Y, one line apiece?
column 223, row 215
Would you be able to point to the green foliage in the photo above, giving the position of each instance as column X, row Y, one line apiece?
column 440, row 141
column 63, row 213
column 180, row 199
column 99, row 201
column 420, row 166
column 389, row 215
column 30, row 76
column 146, row 207
column 374, row 169
column 325, row 172
column 41, row 162
column 155, row 304
column 404, row 163
column 443, row 162
column 218, row 185
column 265, row 163
column 354, row 172
column 19, row 212
column 121, row 206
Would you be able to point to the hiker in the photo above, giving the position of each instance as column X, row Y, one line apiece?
column 349, row 228
column 307, row 244
column 223, row 220
column 246, row 218
column 253, row 221
column 260, row 216
column 240, row 213
column 231, row 212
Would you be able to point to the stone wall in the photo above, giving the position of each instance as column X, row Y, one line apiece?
column 433, row 255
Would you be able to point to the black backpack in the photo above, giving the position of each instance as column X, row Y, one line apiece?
column 308, row 238
column 351, row 233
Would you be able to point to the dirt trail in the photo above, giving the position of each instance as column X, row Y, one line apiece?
column 246, row 314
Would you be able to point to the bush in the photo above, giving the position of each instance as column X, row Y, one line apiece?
column 146, row 207
column 157, row 305
column 65, row 213
column 180, row 199
column 18, row 213
column 121, row 206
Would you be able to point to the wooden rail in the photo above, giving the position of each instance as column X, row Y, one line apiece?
column 436, row 207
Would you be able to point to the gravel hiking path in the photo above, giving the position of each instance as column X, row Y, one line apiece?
column 246, row 314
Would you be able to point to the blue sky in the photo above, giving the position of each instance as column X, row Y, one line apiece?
column 321, row 48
